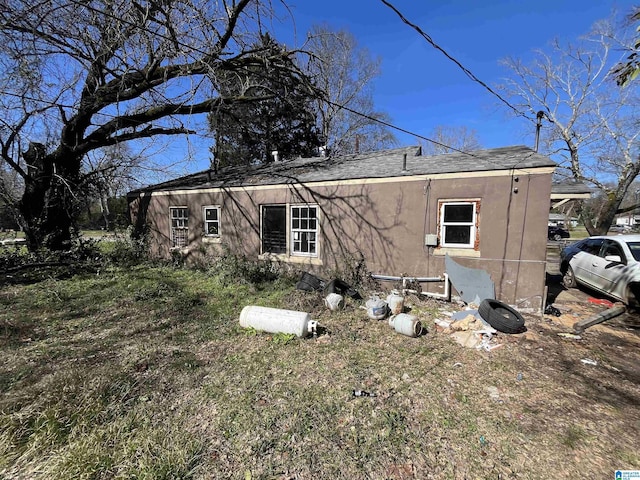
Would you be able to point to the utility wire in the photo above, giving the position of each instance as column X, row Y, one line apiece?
column 468, row 72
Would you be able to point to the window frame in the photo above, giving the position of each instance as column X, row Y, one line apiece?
column 290, row 250
column 262, row 226
column 473, row 224
column 303, row 231
column 184, row 227
column 205, row 222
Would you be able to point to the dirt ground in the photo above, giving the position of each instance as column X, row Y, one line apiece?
column 619, row 335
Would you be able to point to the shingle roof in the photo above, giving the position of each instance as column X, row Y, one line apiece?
column 381, row 164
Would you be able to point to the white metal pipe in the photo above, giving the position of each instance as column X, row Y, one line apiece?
column 445, row 278
column 410, row 279
column 447, row 290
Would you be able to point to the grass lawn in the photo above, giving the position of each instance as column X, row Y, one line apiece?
column 144, row 372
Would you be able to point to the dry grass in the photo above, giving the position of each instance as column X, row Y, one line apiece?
column 145, row 373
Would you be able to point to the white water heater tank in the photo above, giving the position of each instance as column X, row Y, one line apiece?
column 275, row 320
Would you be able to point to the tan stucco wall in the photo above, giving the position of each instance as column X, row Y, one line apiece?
column 386, row 222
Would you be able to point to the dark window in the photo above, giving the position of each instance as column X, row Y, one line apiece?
column 274, row 229
column 612, row 248
column 592, row 246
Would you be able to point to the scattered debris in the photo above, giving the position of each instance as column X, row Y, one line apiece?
column 444, row 324
column 551, row 310
column 588, row 361
column 310, row 283
column 468, row 339
column 334, row 301
column 342, row 288
column 469, row 329
column 494, row 393
column 608, row 314
column 362, row 393
column 600, row 301
column 572, row 336
column 472, row 284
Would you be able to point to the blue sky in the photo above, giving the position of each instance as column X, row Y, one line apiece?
column 419, row 87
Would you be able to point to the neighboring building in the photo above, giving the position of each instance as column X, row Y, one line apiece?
column 398, row 210
column 627, row 219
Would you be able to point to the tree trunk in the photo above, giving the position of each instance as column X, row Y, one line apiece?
column 47, row 205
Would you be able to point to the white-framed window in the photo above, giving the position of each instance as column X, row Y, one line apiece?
column 304, row 230
column 179, row 226
column 211, row 215
column 289, row 229
column 458, row 222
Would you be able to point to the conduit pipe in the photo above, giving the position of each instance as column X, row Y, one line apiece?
column 445, row 278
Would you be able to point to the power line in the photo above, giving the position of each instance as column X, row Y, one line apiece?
column 468, row 72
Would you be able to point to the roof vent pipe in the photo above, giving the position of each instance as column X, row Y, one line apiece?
column 404, row 163
column 276, row 158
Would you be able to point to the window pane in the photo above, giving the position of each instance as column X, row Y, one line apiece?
column 635, row 249
column 211, row 213
column 593, row 246
column 457, row 234
column 312, row 224
column 296, row 223
column 458, row 213
column 212, row 228
column 304, row 224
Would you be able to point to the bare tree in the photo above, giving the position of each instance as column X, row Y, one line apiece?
column 77, row 76
column 589, row 125
column 344, row 73
column 112, row 171
column 448, row 139
column 627, row 70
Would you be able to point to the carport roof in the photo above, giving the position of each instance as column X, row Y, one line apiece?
column 381, row 164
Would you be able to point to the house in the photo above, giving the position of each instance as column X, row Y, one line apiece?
column 400, row 211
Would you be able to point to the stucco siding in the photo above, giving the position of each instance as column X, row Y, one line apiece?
column 386, row 222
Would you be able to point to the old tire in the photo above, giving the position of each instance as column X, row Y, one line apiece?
column 501, row 316
column 569, row 278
